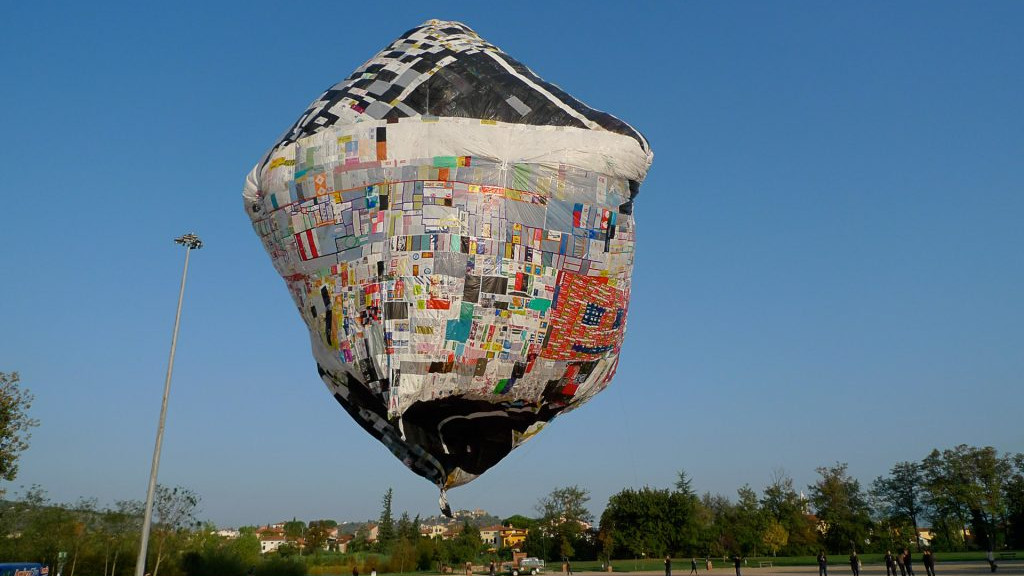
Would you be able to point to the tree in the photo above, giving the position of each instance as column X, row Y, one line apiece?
column 43, row 529
column 294, row 536
column 465, row 546
column 782, row 502
column 775, row 536
column 651, row 521
column 210, row 554
column 119, row 532
column 991, row 475
column 969, row 484
column 684, row 484
column 945, row 484
column 1015, row 504
column 564, row 517
column 403, row 555
column 14, row 521
column 405, row 551
column 748, row 524
column 175, row 513
column 716, row 533
column 427, row 553
column 246, row 547
column 636, row 522
column 386, row 526
column 685, row 507
column 900, row 495
column 405, row 529
column 294, row 530
column 841, row 507
column 519, row 521
column 317, row 534
column 84, row 523
column 15, row 424
column 360, row 540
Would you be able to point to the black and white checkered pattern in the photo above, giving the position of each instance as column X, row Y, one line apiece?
column 445, row 69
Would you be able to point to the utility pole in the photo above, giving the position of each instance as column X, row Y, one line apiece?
column 190, row 242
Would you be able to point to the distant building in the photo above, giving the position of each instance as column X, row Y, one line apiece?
column 491, row 536
column 478, row 513
column 270, row 538
column 437, row 531
column 343, row 541
column 513, row 537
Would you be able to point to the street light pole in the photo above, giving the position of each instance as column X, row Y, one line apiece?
column 190, row 242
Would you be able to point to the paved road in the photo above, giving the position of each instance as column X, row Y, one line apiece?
column 1013, row 567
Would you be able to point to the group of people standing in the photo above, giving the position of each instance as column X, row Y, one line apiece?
column 904, row 562
column 900, row 564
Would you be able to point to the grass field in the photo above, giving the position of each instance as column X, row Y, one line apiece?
column 683, row 564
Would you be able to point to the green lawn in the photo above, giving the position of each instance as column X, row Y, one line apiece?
column 682, row 565
column 657, row 564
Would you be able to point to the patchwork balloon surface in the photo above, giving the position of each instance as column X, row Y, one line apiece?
column 457, row 234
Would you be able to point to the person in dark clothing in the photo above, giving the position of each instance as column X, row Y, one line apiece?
column 738, row 562
column 908, row 561
column 822, row 564
column 854, row 564
column 928, row 559
column 899, row 562
column 890, row 564
column 693, row 565
column 668, row 566
column 355, row 570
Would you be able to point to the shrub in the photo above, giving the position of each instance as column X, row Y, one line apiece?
column 281, row 567
column 212, row 563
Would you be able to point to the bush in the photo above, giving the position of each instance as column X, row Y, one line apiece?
column 213, row 563
column 281, row 567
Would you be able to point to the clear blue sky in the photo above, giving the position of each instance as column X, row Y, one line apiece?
column 830, row 259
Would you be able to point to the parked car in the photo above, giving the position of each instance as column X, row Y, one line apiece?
column 528, row 566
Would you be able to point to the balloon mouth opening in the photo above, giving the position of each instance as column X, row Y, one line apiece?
column 439, row 440
column 448, row 441
column 469, row 435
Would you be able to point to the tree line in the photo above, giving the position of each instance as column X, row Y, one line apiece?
column 968, row 497
column 83, row 538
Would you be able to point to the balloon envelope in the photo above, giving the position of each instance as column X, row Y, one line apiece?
column 458, row 236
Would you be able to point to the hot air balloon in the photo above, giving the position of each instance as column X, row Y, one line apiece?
column 457, row 234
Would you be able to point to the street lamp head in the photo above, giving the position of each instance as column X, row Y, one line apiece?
column 190, row 241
